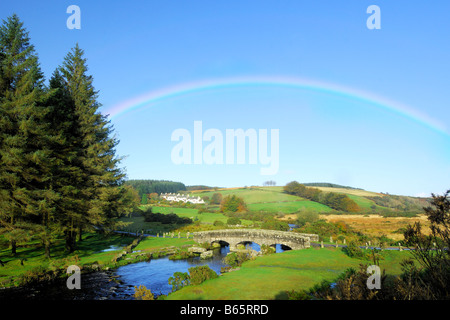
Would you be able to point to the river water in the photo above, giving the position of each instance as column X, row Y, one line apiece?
column 119, row 284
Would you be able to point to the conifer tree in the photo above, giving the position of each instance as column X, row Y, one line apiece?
column 25, row 199
column 99, row 179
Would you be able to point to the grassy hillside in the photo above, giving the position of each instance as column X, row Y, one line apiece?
column 253, row 195
column 288, row 207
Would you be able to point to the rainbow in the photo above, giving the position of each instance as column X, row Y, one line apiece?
column 155, row 96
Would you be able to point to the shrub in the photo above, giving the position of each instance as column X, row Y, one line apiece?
column 306, row 216
column 218, row 223
column 271, row 224
column 235, row 259
column 200, row 274
column 233, row 221
column 179, row 280
column 265, row 249
column 354, row 251
column 142, row 293
column 298, row 295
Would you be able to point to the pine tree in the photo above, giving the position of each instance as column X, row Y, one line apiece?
column 25, row 199
column 62, row 127
column 99, row 179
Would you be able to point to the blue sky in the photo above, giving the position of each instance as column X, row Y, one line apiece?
column 138, row 47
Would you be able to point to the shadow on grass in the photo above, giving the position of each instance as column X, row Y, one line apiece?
column 90, row 244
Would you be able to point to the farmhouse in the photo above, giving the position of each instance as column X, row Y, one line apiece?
column 181, row 197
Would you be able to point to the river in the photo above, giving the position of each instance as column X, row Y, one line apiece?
column 119, row 284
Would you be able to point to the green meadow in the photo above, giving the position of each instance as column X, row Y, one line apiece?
column 253, row 195
column 137, row 223
column 203, row 217
column 288, row 207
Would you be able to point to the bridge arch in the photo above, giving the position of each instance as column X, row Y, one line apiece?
column 221, row 242
column 283, row 246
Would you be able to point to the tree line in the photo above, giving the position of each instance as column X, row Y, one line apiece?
column 155, row 186
column 333, row 200
column 59, row 173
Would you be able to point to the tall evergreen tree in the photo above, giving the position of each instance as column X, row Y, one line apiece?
column 24, row 155
column 99, row 179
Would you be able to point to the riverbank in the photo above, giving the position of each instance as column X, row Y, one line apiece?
column 95, row 252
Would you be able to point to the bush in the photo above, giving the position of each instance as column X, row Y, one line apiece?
column 235, row 259
column 354, row 251
column 142, row 293
column 265, row 249
column 218, row 223
column 233, row 221
column 298, row 295
column 275, row 225
column 306, row 216
column 179, row 280
column 352, row 285
column 200, row 274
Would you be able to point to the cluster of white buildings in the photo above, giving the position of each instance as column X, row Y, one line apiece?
column 181, row 197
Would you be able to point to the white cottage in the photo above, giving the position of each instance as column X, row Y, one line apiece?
column 181, row 197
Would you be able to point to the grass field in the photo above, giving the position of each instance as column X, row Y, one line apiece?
column 269, row 277
column 253, row 195
column 288, row 207
column 137, row 223
column 204, row 217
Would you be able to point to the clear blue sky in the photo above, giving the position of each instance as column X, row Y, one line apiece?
column 137, row 47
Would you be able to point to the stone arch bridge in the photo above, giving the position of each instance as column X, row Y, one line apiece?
column 234, row 237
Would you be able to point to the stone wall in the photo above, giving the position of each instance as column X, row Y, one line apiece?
column 262, row 237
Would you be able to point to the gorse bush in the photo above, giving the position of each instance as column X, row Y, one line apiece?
column 200, row 274
column 142, row 293
column 354, row 251
column 235, row 259
column 179, row 280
